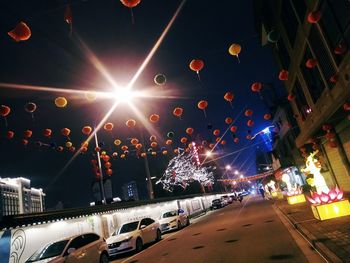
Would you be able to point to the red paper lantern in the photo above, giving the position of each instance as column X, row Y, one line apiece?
column 196, row 65
column 189, row 130
column 183, row 140
column 218, row 139
column 108, row 126
column 233, row 128
column 134, row 141
column 314, row 17
column 24, row 142
column 47, row 132
column 202, row 105
column 168, row 142
column 138, row 146
column 216, row 132
column 229, row 96
column 267, row 116
column 223, row 142
column 86, row 130
column 228, row 120
column 130, row 3
column 108, row 165
column 283, row 75
column 291, row 97
column 154, row 144
column 235, row 140
column 256, row 87
column 250, row 123
column 130, row 123
column 248, row 137
column 20, row 33
column 154, row 118
column 178, row 112
column 109, row 172
column 65, row 132
column 248, row 113
column 311, row 63
column 27, row 133
column 10, row 134
column 4, row 110
column 346, row 106
column 153, row 138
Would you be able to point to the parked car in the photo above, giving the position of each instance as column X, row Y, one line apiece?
column 226, row 199
column 132, row 236
column 217, row 203
column 174, row 219
column 84, row 248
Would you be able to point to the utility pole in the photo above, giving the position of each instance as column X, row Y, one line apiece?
column 103, row 197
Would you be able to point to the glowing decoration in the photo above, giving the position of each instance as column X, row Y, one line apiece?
column 138, row 146
column 154, row 118
column 178, row 112
column 248, row 137
column 134, row 141
column 153, row 153
column 189, row 131
column 117, row 142
column 108, row 165
column 346, row 106
column 332, row 210
column 223, row 142
column 196, row 65
column 114, row 154
column 24, row 142
column 234, row 50
column 47, row 132
column 256, row 87
column 202, row 105
column 235, row 140
column 21, row 32
column 143, row 155
column 124, row 148
column 65, row 132
column 314, row 17
column 273, row 36
column 250, row 123
column 27, row 133
column 233, row 128
column 108, row 126
column 283, row 75
column 165, row 152
column 154, row 144
column 229, row 97
column 291, row 97
column 267, row 116
column 105, row 158
column 183, row 140
column 90, row 95
column 248, row 113
column 228, row 120
column 160, row 79
column 130, row 123
column 170, row 134
column 61, row 102
column 86, row 130
column 311, row 63
column 4, row 110
column 296, row 199
column 153, row 138
column 30, row 107
column 85, row 144
column 218, row 139
column 168, row 142
column 216, row 132
column 10, row 134
column 313, row 166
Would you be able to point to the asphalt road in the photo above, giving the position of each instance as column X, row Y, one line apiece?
column 247, row 232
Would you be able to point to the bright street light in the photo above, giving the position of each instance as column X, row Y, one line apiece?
column 236, row 172
column 228, row 167
column 208, row 153
column 124, row 94
column 241, row 176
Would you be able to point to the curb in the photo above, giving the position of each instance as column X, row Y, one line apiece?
column 322, row 248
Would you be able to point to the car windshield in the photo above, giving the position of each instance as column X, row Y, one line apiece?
column 127, row 228
column 49, row 251
column 170, row 214
column 216, row 201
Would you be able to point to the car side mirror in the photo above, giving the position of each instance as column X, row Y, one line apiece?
column 142, row 227
column 70, row 250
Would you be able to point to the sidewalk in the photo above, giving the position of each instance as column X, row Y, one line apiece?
column 330, row 237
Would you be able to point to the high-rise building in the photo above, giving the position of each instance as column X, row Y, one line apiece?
column 130, row 191
column 311, row 40
column 17, row 197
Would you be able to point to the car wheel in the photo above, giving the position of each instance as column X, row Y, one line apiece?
column 104, row 258
column 139, row 244
column 178, row 225
column 159, row 235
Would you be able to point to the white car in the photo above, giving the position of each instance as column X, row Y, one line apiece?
column 133, row 235
column 174, row 219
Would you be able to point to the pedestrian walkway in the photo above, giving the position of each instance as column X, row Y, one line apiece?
column 330, row 237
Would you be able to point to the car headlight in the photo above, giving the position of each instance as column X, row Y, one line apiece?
column 172, row 221
column 127, row 239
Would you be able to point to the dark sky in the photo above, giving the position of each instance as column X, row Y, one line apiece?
column 51, row 57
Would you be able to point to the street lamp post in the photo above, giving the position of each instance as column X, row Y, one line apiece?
column 103, row 197
column 148, row 174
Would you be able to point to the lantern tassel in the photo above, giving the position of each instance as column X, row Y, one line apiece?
column 132, row 16
column 231, row 105
column 199, row 77
column 238, row 59
column 205, row 114
column 6, row 124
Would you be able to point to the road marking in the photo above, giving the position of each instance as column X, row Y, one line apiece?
column 300, row 240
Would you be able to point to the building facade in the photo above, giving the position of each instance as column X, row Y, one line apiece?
column 311, row 40
column 17, row 197
column 130, row 191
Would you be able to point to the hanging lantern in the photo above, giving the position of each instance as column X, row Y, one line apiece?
column 47, row 132
column 130, row 3
column 178, row 112
column 65, row 132
column 202, row 105
column 248, row 137
column 267, row 116
column 24, row 142
column 134, row 141
column 196, row 65
column 117, row 142
column 235, row 140
column 346, row 106
column 108, row 165
column 314, row 17
column 68, row 144
column 291, row 97
column 160, row 79
column 109, row 172
column 10, row 134
column 153, row 138
column 170, row 134
column 114, row 154
column 183, row 140
column 228, row 120
column 30, row 107
column 234, row 50
column 20, row 33
column 86, row 130
column 256, row 87
column 27, row 133
column 218, row 139
column 333, row 79
column 61, row 102
column 229, row 97
column 90, row 95
column 165, row 152
column 138, row 146
column 124, row 148
column 223, row 142
column 340, row 49
column 216, row 132
column 311, row 63
column 154, row 144
column 248, row 113
column 85, row 144
column 130, row 123
column 108, row 126
column 105, row 158
column 250, row 123
column 4, row 110
column 154, row 118
column 143, row 155
column 283, row 75
column 273, row 36
column 233, row 129
column 168, row 142
column 189, row 130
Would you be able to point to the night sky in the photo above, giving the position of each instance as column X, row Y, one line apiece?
column 54, row 58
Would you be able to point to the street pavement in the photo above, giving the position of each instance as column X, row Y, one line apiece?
column 251, row 231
